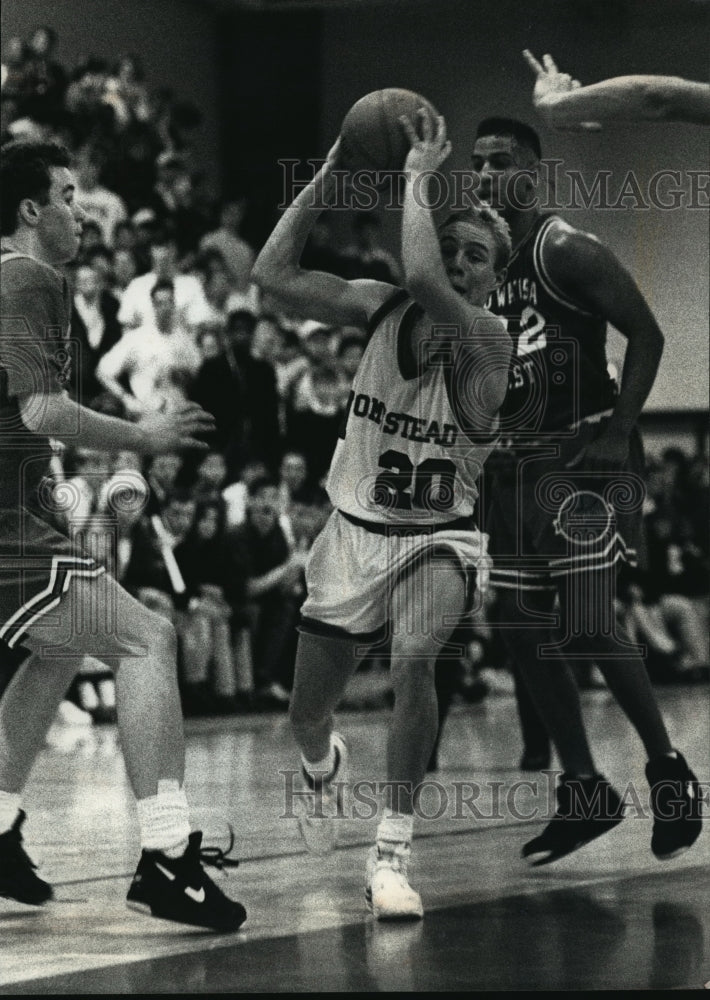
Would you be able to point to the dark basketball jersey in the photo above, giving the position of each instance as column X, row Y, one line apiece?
column 558, row 373
column 34, row 360
column 404, row 457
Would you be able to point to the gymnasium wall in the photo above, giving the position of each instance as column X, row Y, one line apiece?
column 464, row 55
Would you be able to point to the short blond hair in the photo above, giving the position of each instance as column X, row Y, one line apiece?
column 486, row 216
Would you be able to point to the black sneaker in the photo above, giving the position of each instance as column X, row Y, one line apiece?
column 676, row 804
column 586, row 809
column 179, row 888
column 17, row 872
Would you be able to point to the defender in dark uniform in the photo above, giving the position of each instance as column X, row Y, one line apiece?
column 564, row 500
column 48, row 588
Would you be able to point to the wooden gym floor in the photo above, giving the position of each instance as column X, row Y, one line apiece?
column 607, row 917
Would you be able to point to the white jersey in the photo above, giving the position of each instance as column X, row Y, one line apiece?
column 403, row 457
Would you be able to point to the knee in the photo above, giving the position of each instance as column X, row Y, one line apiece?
column 412, row 667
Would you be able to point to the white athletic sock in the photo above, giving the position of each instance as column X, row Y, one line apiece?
column 394, row 828
column 164, row 820
column 107, row 692
column 321, row 767
column 9, row 808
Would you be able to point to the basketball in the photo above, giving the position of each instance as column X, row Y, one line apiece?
column 372, row 137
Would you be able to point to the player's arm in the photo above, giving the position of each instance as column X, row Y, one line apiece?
column 31, row 312
column 588, row 272
column 561, row 100
column 56, row 415
column 314, row 294
column 480, row 343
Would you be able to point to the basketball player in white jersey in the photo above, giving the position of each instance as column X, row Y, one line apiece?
column 399, row 553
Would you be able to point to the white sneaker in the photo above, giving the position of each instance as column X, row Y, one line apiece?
column 387, row 892
column 320, row 800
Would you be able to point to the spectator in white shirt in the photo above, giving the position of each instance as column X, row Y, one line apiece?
column 137, row 305
column 158, row 360
column 220, row 297
column 237, row 254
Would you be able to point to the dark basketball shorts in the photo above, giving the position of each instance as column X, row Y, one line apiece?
column 37, row 565
column 549, row 514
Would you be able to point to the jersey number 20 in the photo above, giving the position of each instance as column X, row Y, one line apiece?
column 405, row 486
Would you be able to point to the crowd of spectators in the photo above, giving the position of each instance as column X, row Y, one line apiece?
column 164, row 311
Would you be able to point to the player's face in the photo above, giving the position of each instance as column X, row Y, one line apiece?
column 60, row 220
column 504, row 172
column 469, row 254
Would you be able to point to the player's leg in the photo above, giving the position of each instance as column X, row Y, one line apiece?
column 586, row 805
column 324, row 665
column 141, row 647
column 675, row 792
column 536, row 740
column 27, row 708
column 346, row 579
column 426, row 602
column 550, row 682
column 623, row 670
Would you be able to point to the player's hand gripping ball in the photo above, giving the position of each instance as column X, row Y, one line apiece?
column 372, row 137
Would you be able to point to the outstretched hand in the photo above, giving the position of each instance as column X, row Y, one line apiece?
column 177, row 430
column 549, row 81
column 429, row 150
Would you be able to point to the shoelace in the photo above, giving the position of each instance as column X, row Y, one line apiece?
column 397, row 860
column 216, row 857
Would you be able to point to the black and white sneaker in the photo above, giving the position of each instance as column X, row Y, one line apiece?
column 17, row 871
column 179, row 889
column 586, row 809
column 676, row 805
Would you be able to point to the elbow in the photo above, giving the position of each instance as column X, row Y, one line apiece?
column 259, row 273
column 268, row 275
